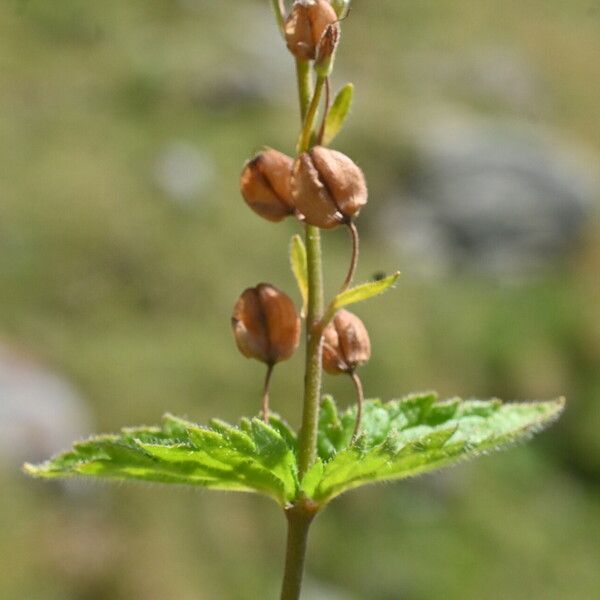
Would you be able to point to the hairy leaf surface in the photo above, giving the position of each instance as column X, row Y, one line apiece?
column 254, row 458
column 398, row 439
column 415, row 435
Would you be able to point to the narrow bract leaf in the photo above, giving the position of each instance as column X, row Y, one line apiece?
column 338, row 113
column 364, row 292
column 299, row 266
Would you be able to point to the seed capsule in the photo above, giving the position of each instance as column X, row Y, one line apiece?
column 327, row 187
column 346, row 344
column 306, row 24
column 265, row 324
column 266, row 185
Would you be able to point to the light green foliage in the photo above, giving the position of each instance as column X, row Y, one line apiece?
column 362, row 292
column 252, row 458
column 299, row 266
column 338, row 113
column 417, row 434
column 399, row 439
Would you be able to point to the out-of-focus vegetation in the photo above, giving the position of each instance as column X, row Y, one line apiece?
column 122, row 278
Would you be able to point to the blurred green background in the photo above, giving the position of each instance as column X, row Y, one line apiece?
column 124, row 244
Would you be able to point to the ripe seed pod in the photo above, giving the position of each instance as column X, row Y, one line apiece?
column 265, row 324
column 346, row 344
column 306, row 24
column 327, row 187
column 266, row 185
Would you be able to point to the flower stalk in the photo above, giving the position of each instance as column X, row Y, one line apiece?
column 313, row 369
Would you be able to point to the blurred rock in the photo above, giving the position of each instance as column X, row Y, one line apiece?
column 494, row 74
column 233, row 90
column 184, row 173
column 503, row 199
column 317, row 590
column 40, row 411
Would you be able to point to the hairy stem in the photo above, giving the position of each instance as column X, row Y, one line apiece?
column 307, row 442
column 299, row 518
column 301, row 513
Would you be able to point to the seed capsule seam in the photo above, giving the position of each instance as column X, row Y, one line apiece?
column 256, row 162
column 342, row 217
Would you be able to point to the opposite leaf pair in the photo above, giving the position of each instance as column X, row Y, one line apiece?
column 400, row 439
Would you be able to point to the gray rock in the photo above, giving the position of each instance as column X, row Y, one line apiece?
column 40, row 412
column 184, row 173
column 500, row 198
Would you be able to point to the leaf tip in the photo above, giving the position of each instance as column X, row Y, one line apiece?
column 31, row 470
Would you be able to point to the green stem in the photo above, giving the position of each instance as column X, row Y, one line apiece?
column 311, row 114
column 360, row 401
column 299, row 517
column 304, row 77
column 301, row 513
column 279, row 11
column 307, row 442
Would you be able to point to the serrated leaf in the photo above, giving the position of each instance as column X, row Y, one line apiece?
column 398, row 439
column 219, row 457
column 299, row 264
column 338, row 113
column 312, row 478
column 417, row 434
column 363, row 292
column 284, row 430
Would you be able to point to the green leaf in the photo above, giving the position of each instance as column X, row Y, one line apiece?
column 338, row 113
column 299, row 264
column 398, row 439
column 256, row 458
column 415, row 435
column 363, row 292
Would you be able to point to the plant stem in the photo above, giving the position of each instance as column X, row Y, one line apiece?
column 355, row 252
column 304, row 77
column 360, row 400
column 265, row 399
column 299, row 517
column 309, row 119
column 321, row 135
column 279, row 11
column 302, row 512
column 307, row 441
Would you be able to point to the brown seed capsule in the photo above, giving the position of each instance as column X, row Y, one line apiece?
column 327, row 187
column 306, row 24
column 266, row 185
column 346, row 344
column 265, row 324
